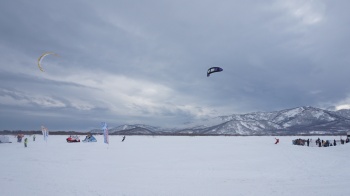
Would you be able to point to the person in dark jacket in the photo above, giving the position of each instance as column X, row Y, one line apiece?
column 334, row 143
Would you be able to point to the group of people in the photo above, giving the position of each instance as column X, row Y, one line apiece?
column 319, row 142
column 302, row 142
column 325, row 143
column 19, row 139
column 344, row 141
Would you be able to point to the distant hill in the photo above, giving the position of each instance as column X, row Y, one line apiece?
column 304, row 120
column 301, row 120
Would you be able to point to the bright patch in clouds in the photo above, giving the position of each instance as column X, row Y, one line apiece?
column 309, row 12
column 341, row 107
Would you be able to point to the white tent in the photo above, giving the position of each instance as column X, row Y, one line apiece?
column 4, row 139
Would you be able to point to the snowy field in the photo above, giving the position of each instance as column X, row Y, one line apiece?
column 146, row 165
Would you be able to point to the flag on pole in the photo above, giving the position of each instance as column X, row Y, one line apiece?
column 45, row 132
column 105, row 132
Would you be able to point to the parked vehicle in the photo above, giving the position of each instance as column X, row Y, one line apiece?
column 73, row 138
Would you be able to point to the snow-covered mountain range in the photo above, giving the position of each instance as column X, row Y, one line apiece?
column 300, row 120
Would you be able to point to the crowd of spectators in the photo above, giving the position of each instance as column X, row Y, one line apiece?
column 319, row 142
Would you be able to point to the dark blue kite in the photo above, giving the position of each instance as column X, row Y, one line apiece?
column 213, row 70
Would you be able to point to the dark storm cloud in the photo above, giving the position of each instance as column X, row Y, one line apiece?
column 146, row 62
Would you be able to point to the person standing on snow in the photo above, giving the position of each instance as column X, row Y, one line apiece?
column 277, row 141
column 25, row 142
column 19, row 138
column 33, row 138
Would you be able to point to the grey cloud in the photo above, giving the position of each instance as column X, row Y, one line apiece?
column 272, row 58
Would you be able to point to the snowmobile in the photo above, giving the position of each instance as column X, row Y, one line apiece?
column 73, row 138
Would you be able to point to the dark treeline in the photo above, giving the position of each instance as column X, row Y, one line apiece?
column 36, row 132
column 31, row 132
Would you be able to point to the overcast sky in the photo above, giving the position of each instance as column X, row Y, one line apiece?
column 145, row 62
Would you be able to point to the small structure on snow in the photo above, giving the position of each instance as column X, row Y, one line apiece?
column 4, row 139
column 90, row 138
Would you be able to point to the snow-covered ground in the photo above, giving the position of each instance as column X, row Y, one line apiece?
column 146, row 165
